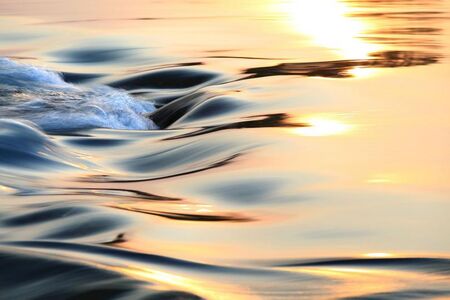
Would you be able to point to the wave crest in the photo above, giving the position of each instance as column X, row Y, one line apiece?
column 44, row 98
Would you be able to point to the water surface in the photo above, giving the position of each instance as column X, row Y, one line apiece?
column 224, row 150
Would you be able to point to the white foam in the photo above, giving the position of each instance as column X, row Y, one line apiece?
column 44, row 98
column 15, row 73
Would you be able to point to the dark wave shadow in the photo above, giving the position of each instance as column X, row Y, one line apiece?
column 189, row 110
column 409, row 31
column 215, row 164
column 190, row 217
column 173, row 111
column 258, row 121
column 63, row 222
column 23, row 146
column 80, row 77
column 172, row 78
column 108, row 253
column 44, row 215
column 90, row 142
column 103, row 192
column 168, row 159
column 119, row 239
column 38, row 276
column 88, row 55
column 404, row 15
column 252, row 190
column 212, row 110
column 341, row 68
column 392, row 2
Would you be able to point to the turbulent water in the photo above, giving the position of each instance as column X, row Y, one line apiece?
column 44, row 98
column 210, row 150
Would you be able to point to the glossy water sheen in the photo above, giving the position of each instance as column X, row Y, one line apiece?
column 256, row 149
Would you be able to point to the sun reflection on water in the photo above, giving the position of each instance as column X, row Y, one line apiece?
column 323, row 126
column 328, row 23
column 361, row 72
column 199, row 287
column 386, row 178
column 378, row 255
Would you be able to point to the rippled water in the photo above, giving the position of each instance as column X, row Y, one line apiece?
column 224, row 150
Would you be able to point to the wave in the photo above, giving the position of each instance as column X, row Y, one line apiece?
column 24, row 146
column 425, row 264
column 268, row 283
column 44, row 98
column 67, row 279
column 166, row 79
column 109, row 254
column 404, row 294
column 64, row 222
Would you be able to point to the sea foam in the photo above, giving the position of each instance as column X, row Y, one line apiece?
column 44, row 98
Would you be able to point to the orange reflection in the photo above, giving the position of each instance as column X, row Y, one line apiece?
column 323, row 125
column 361, row 72
column 328, row 24
column 384, row 179
column 5, row 190
column 378, row 254
column 207, row 289
column 365, row 282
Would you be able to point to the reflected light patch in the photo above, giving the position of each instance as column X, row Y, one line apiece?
column 5, row 189
column 328, row 24
column 201, row 208
column 384, row 179
column 361, row 72
column 378, row 255
column 193, row 286
column 321, row 126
